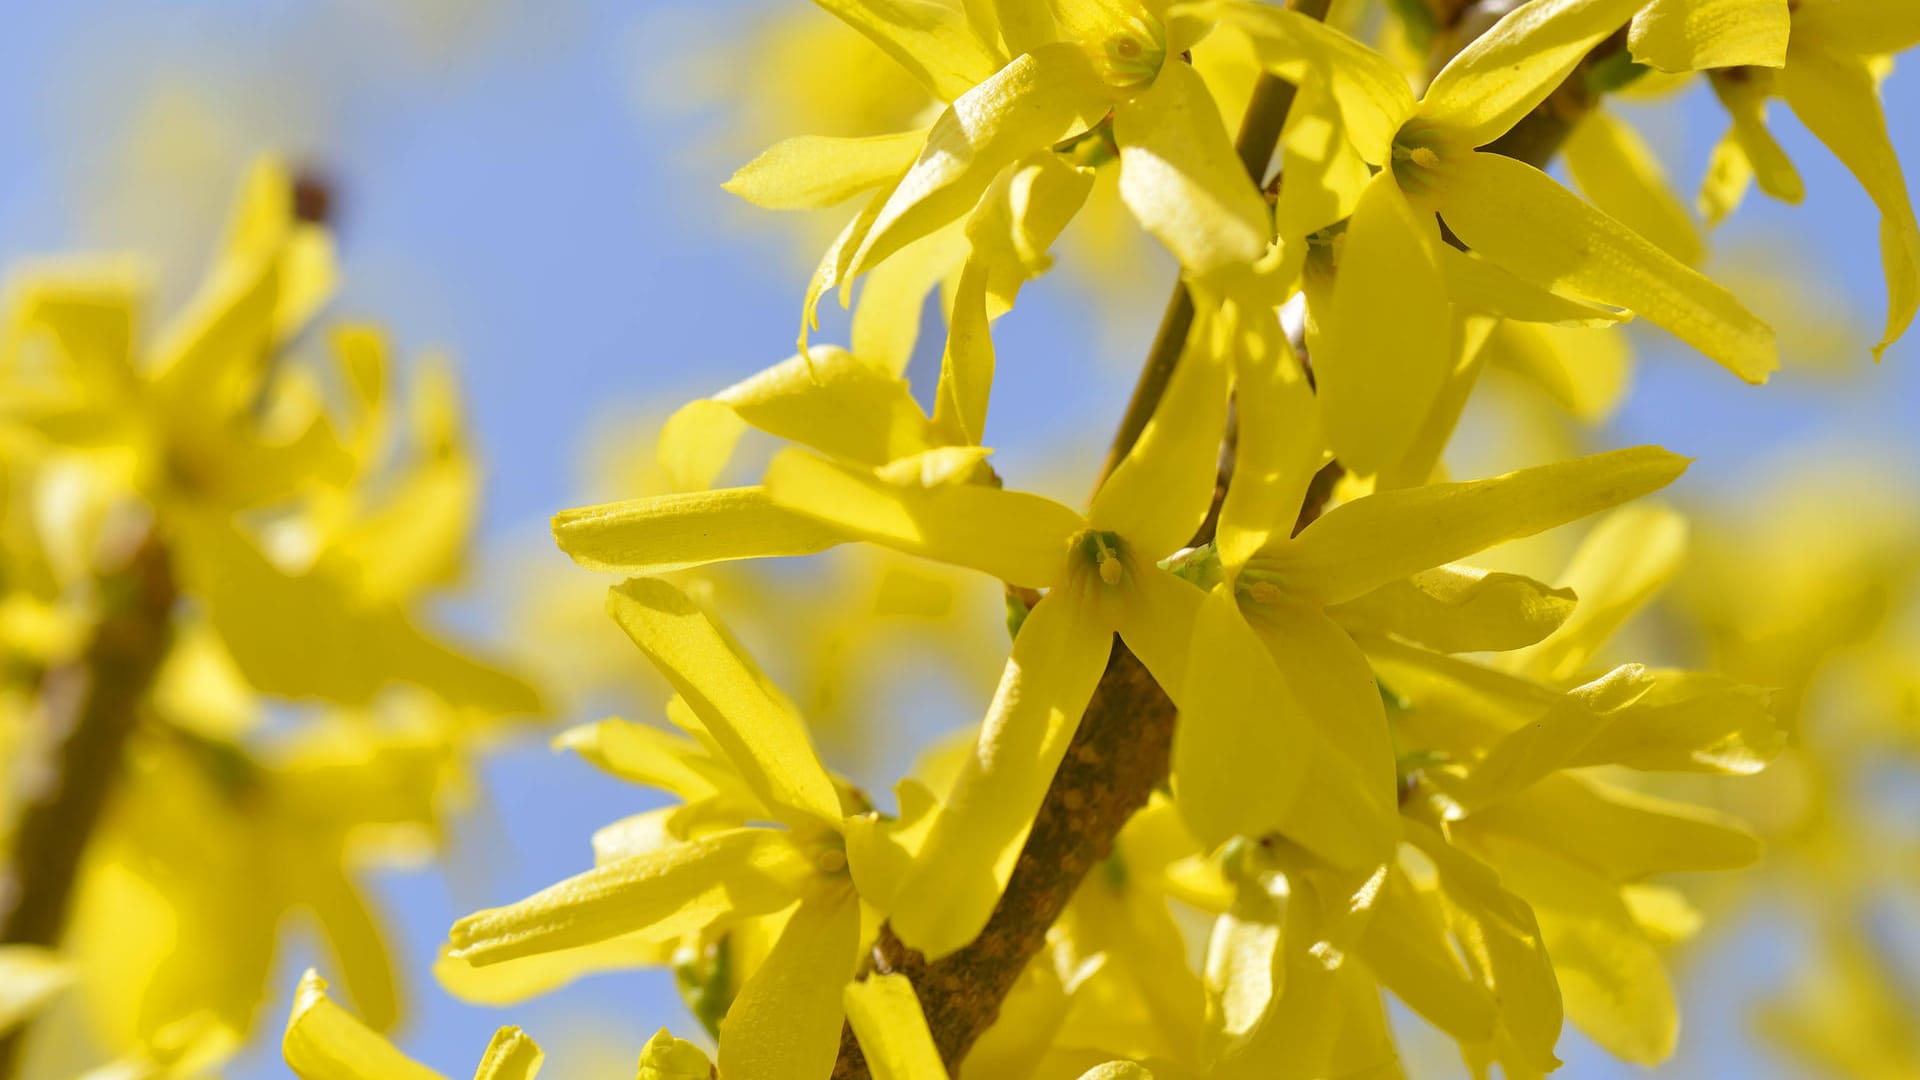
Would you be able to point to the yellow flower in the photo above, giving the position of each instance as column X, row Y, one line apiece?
column 659, row 885
column 1378, row 377
column 1823, row 57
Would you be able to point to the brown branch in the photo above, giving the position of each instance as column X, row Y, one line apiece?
column 90, row 708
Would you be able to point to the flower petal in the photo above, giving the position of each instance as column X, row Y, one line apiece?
column 966, row 366
column 1359, row 546
column 1836, row 98
column 813, row 171
column 1695, row 35
column 1507, row 71
column 324, row 1043
column 665, row 533
column 1616, row 169
column 1621, row 834
column 1458, row 609
column 1279, row 447
column 510, row 1056
column 758, row 730
column 886, row 320
column 975, row 838
column 933, row 41
column 892, row 1030
column 1627, row 558
column 527, row 977
column 1161, row 491
column 786, row 1020
column 1480, row 284
column 1180, row 176
column 1033, row 102
column 1016, row 537
column 670, row 892
column 1861, row 27
column 1520, row 218
column 1377, row 377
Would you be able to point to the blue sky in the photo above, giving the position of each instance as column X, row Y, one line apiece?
column 514, row 189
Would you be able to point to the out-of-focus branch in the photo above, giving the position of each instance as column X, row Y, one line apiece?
column 89, row 707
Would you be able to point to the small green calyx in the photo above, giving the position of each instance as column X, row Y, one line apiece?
column 1199, row 566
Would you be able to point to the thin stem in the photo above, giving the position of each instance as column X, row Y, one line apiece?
column 91, row 707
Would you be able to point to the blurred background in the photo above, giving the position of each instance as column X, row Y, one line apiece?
column 534, row 191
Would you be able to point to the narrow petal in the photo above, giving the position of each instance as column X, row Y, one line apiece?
column 1033, row 102
column 1016, row 537
column 665, row 533
column 931, row 40
column 1406, row 947
column 1618, row 172
column 1520, row 218
column 786, row 1020
column 1836, row 98
column 1745, row 98
column 813, row 171
column 525, row 978
column 966, row 367
column 1243, row 745
column 1330, row 678
column 1157, row 620
column 1695, row 35
column 1861, row 27
column 844, row 405
column 1160, row 492
column 1627, row 558
column 1359, row 546
column 1458, row 609
column 510, row 1056
column 1279, row 446
column 893, row 1034
column 1507, row 71
column 1691, row 722
column 1020, row 218
column 1180, row 176
column 1585, row 371
column 1372, row 93
column 1481, row 285
column 887, row 317
column 670, row 892
column 1377, row 377
column 976, row 837
column 757, row 729
column 1531, row 753
column 1622, row 835
column 324, row 1043
column 697, row 442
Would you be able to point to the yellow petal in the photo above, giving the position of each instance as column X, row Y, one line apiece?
column 1627, row 558
column 886, row 320
column 1407, row 948
column 696, row 443
column 1507, row 71
column 843, row 405
column 665, row 533
column 1836, row 98
column 510, row 1056
column 975, row 839
column 1377, row 377
column 1361, row 545
column 1621, row 834
column 1585, row 371
column 1243, row 745
column 1180, row 176
column 1861, row 27
column 1033, row 102
column 837, row 261
column 1245, row 973
column 667, row 1058
column 932, row 41
column 354, row 939
column 324, row 1043
column 1616, row 169
column 1481, row 285
column 966, row 367
column 1372, row 93
column 893, row 1033
column 1324, row 170
column 1612, row 978
column 1530, row 753
column 1019, row 220
column 812, row 171
column 1156, row 621
column 1691, row 722
column 758, row 731
column 786, row 1019
column 1014, row 536
column 1694, row 35
column 1459, row 609
column 525, row 978
column 642, row 754
column 1160, row 492
column 1517, row 216
column 1279, row 447
column 669, row 892
column 1749, row 146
